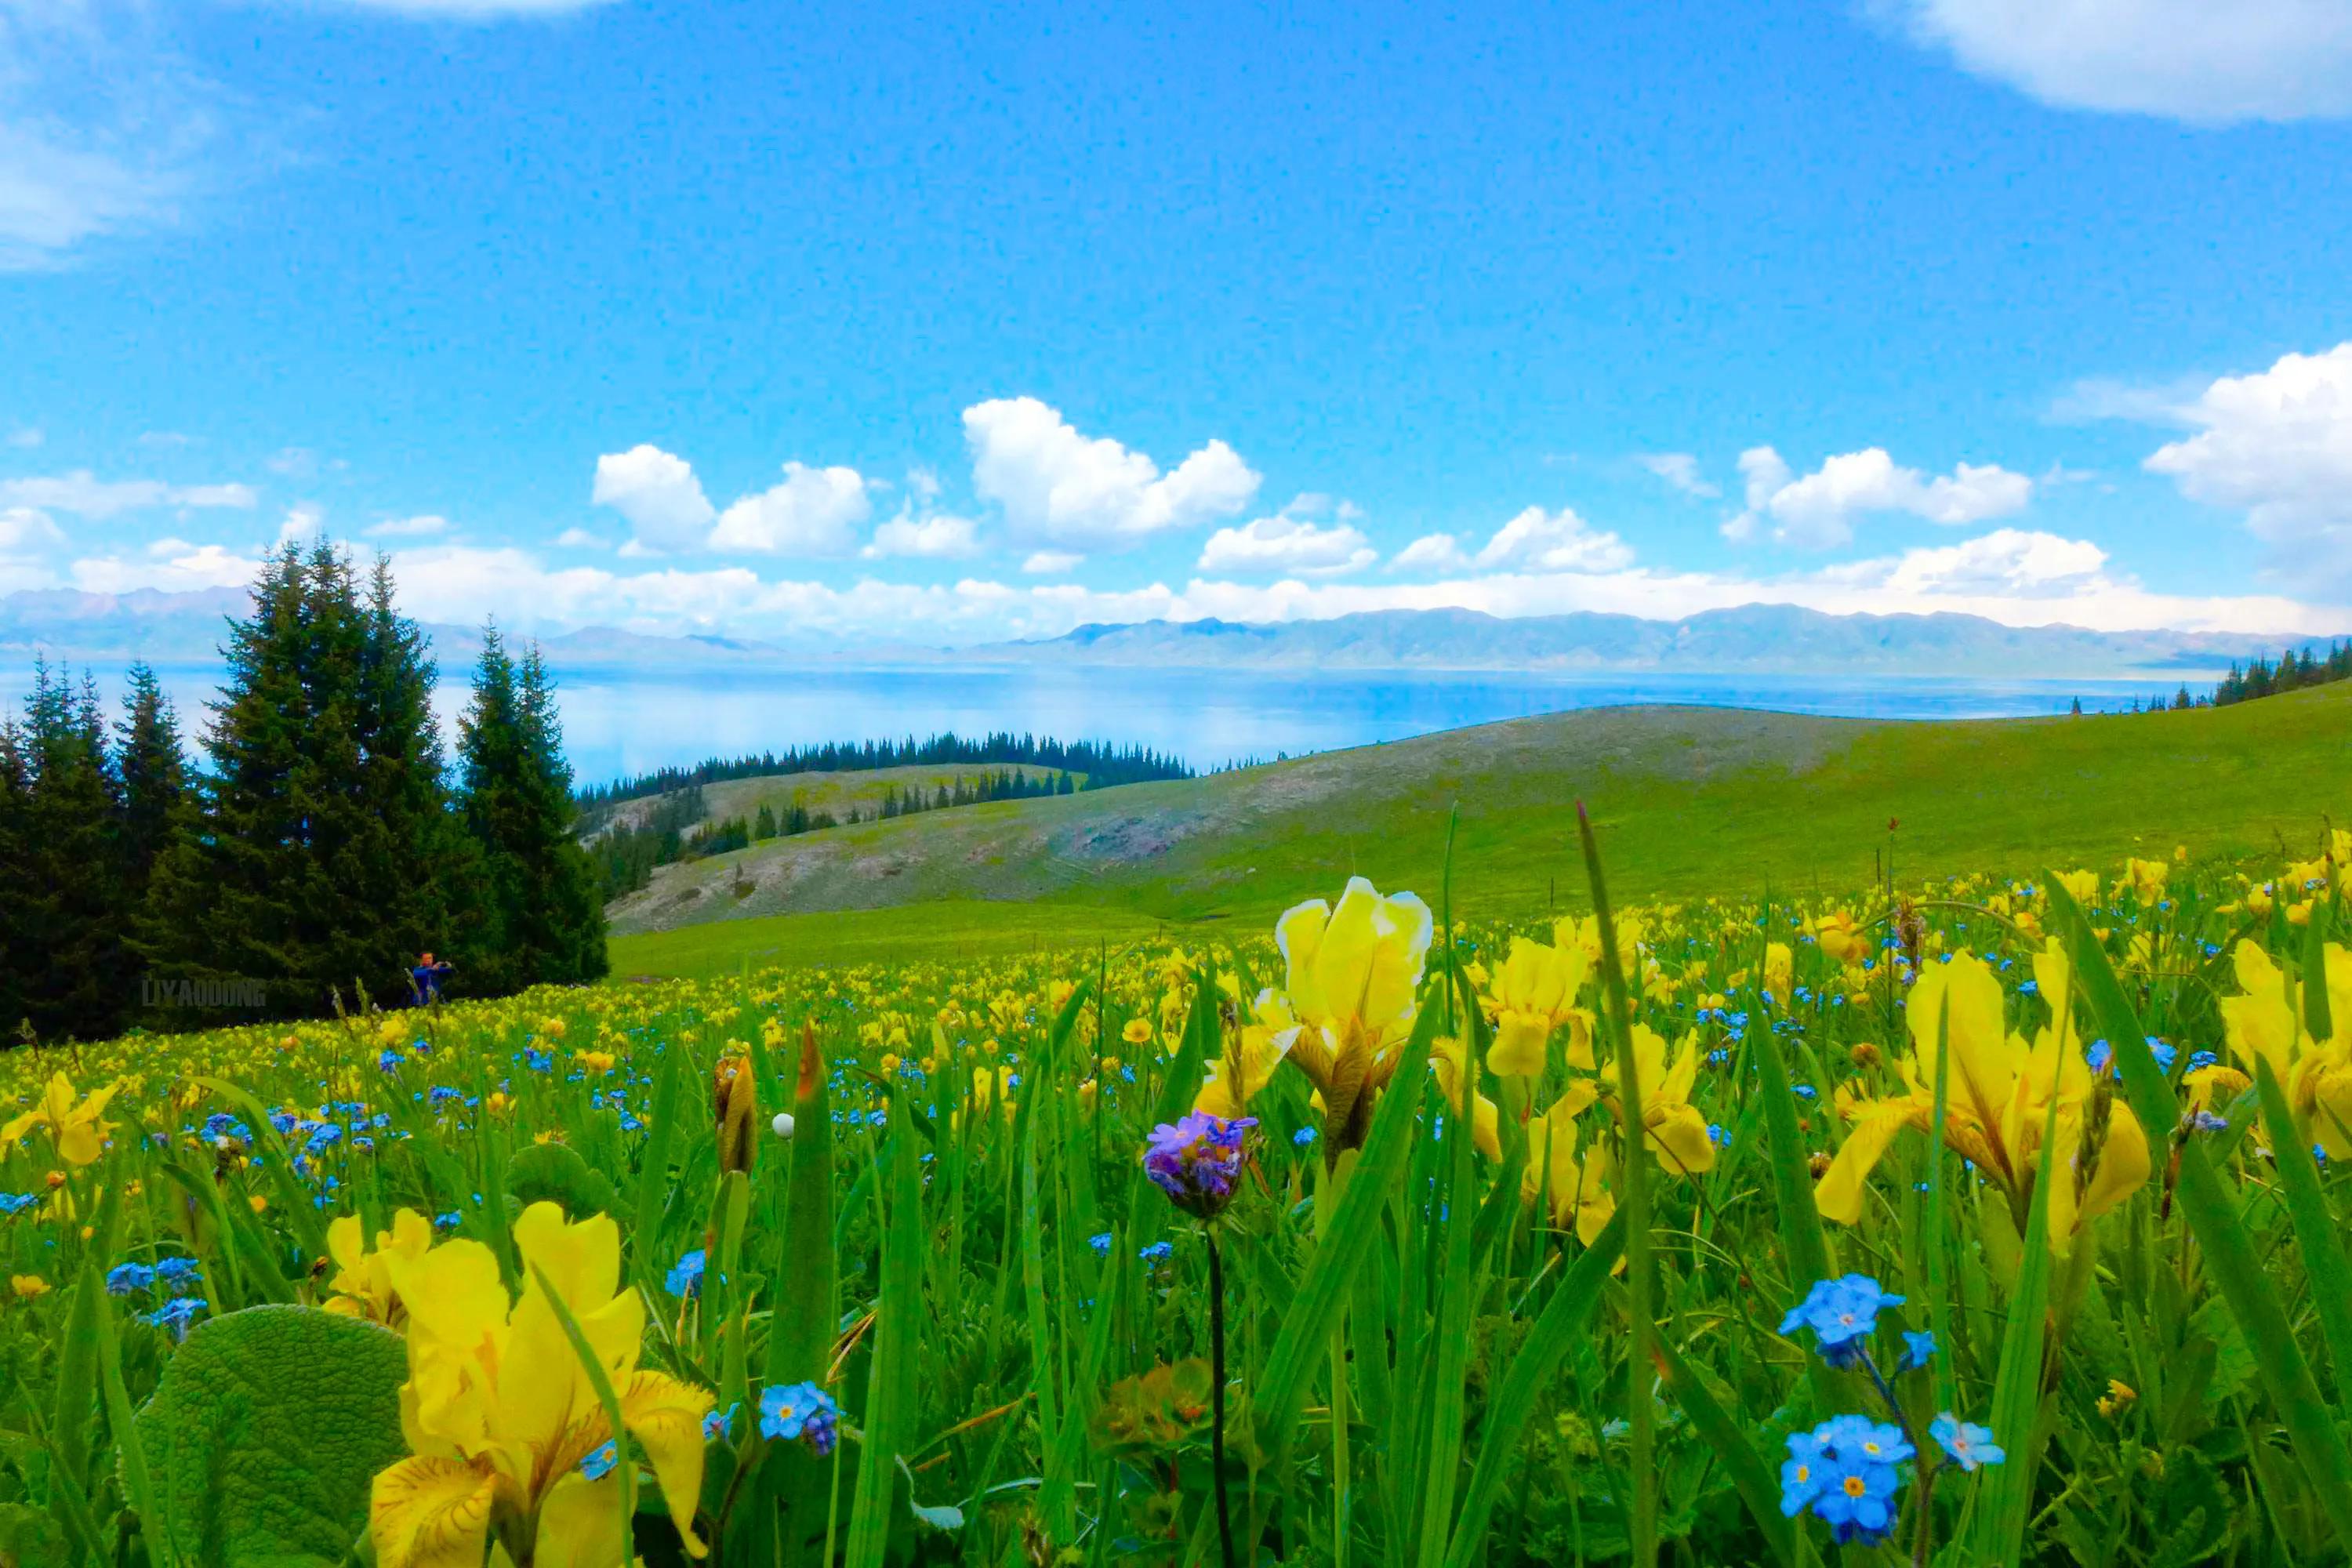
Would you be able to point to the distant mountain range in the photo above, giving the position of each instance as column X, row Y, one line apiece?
column 187, row 628
column 1759, row 639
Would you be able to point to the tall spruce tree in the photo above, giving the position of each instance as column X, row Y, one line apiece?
column 158, row 803
column 312, row 870
column 538, row 918
column 76, row 970
column 17, row 888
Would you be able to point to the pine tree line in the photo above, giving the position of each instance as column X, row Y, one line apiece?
column 2290, row 673
column 324, row 845
column 1103, row 765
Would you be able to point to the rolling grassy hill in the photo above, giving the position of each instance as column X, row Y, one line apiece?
column 1687, row 800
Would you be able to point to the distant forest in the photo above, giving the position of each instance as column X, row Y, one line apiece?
column 1103, row 765
column 2290, row 673
column 676, row 826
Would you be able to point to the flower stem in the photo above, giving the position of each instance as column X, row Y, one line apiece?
column 1217, row 1395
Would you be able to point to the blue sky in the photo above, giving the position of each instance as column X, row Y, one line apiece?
column 881, row 322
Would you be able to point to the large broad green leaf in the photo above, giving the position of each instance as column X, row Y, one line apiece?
column 264, row 1432
column 558, row 1174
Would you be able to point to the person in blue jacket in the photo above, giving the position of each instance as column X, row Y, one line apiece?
column 425, row 980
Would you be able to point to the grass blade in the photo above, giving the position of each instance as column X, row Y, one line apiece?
column 2234, row 1263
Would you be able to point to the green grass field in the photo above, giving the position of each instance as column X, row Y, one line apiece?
column 1686, row 799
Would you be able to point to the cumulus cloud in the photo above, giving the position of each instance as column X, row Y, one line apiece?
column 2277, row 445
column 1534, row 540
column 1060, row 488
column 2187, row 60
column 1291, row 540
column 427, row 526
column 1050, row 562
column 84, row 494
column 815, row 511
column 171, row 564
column 301, row 524
column 658, row 492
column 940, row 536
column 1679, row 469
column 1818, row 511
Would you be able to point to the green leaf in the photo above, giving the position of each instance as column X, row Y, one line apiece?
column 899, row 1321
column 557, row 1174
column 264, row 1433
column 1752, row 1475
column 1556, row 1332
column 2317, row 1229
column 1999, row 1535
column 2233, row 1264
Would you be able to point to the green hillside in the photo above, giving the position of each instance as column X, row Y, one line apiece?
column 1688, row 800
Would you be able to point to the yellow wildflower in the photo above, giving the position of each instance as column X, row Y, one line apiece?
column 75, row 1129
column 499, row 1412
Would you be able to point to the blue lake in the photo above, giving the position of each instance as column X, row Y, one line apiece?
column 619, row 721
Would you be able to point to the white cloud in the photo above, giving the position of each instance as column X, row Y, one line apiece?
column 173, row 564
column 1679, row 469
column 27, row 539
column 815, row 511
column 25, row 437
column 581, row 539
column 422, row 527
column 940, row 536
column 1431, row 553
column 2277, row 444
column 1291, row 541
column 102, row 125
column 84, row 494
column 1058, row 487
column 1534, row 540
column 659, row 495
column 302, row 523
column 2211, row 61
column 1819, row 509
column 1538, row 540
column 1051, row 563
column 2010, row 576
column 24, row 529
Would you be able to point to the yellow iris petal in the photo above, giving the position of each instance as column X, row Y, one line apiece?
column 430, row 1513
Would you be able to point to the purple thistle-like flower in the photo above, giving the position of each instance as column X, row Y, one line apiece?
column 1197, row 1160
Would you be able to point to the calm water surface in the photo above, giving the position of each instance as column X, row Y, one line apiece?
column 618, row 722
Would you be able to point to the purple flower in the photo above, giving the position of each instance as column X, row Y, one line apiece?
column 1196, row 1161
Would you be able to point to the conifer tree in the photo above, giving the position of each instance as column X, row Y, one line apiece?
column 76, row 975
column 17, row 888
column 158, row 805
column 540, row 918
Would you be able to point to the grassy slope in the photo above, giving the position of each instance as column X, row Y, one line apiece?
column 1689, row 800
column 837, row 793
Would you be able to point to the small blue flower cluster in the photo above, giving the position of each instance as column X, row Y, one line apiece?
column 802, row 1411
column 686, row 1279
column 17, row 1203
column 1843, row 1471
column 1842, row 1313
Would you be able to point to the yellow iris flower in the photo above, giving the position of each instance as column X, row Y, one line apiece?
column 1579, row 1188
column 1532, row 994
column 363, row 1286
column 499, row 1412
column 1246, row 1065
column 2267, row 1023
column 1997, row 1094
column 1673, row 1128
column 80, row 1136
column 1352, row 982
